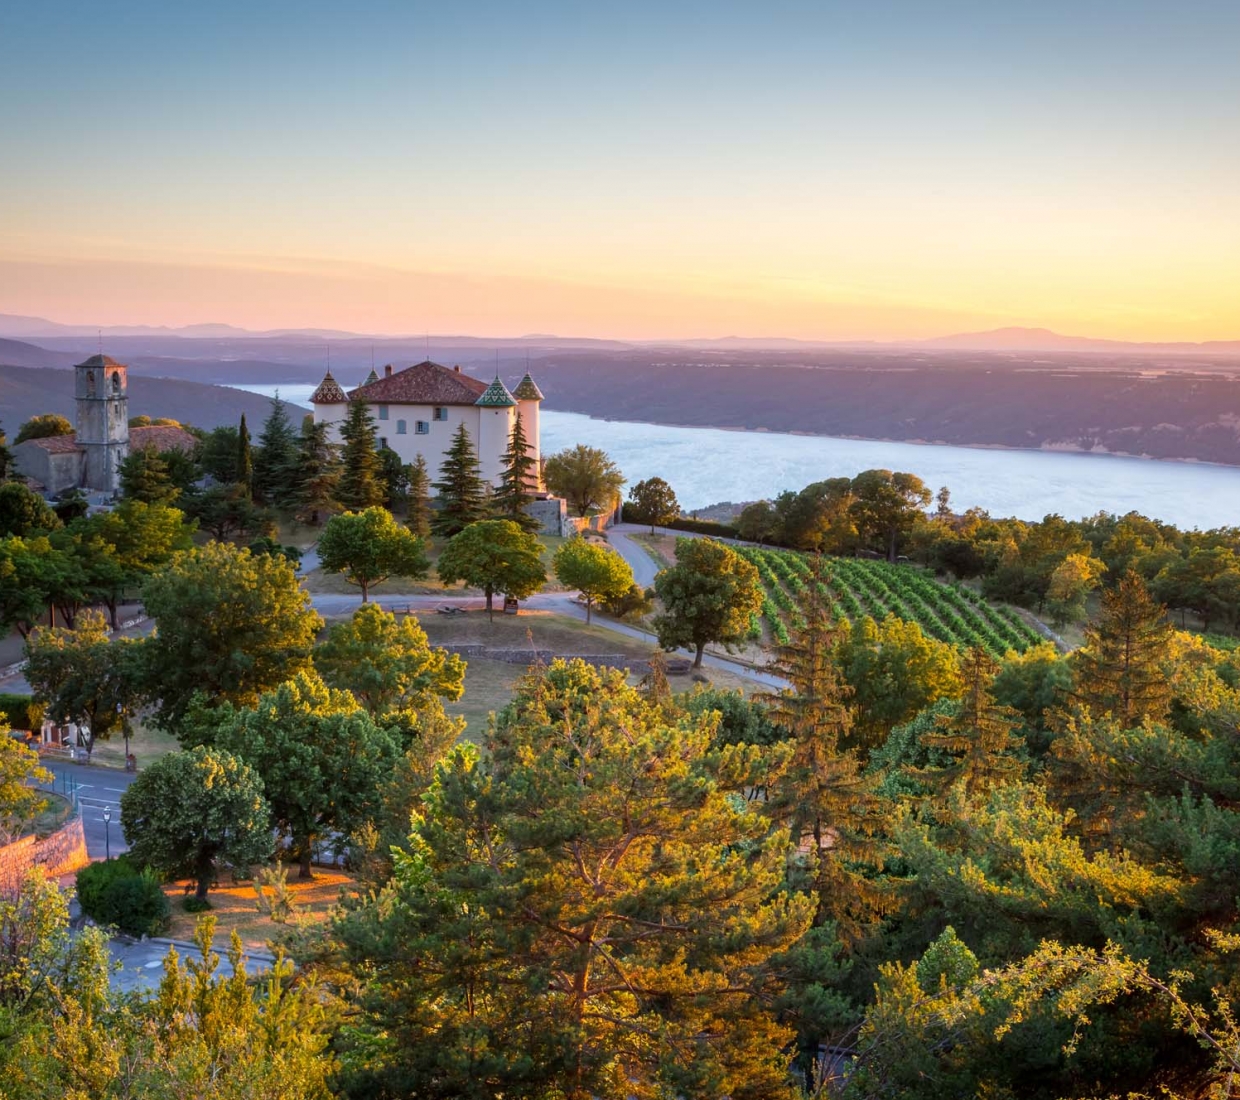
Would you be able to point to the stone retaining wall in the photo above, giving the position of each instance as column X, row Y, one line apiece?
column 58, row 854
column 531, row 656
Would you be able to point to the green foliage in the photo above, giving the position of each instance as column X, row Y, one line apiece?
column 708, row 596
column 118, row 894
column 193, row 904
column 419, row 503
column 585, row 477
column 21, row 712
column 229, row 626
column 228, row 512
column 461, row 491
column 496, row 556
column 188, row 812
column 23, row 512
column 597, row 572
column 318, row 470
column 886, row 505
column 634, row 602
column 741, row 721
column 654, row 502
column 19, row 801
column 245, row 458
column 6, row 456
column 359, row 486
column 276, row 467
column 588, row 913
column 217, row 454
column 145, row 477
column 518, row 481
column 31, row 573
column 370, row 546
column 43, row 426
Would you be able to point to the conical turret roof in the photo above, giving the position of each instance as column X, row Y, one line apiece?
column 527, row 390
column 496, row 396
column 329, row 392
column 371, row 377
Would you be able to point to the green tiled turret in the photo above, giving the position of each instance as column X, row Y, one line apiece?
column 527, row 390
column 496, row 396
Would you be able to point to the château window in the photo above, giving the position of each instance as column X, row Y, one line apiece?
column 383, row 412
column 383, row 442
column 441, row 413
column 400, row 427
column 423, row 428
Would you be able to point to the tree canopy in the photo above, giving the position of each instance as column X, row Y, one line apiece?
column 496, row 556
column 654, row 502
column 43, row 426
column 462, row 494
column 597, row 572
column 585, row 477
column 370, row 546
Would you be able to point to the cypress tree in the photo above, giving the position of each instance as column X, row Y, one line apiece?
column 275, row 463
column 462, row 492
column 514, row 485
column 318, row 469
column 394, row 476
column 245, row 461
column 419, row 491
column 359, row 486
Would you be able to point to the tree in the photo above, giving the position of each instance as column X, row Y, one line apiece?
column 585, row 477
column 708, row 596
column 29, row 576
column 1070, row 585
column 44, row 426
column 144, row 477
column 228, row 512
column 189, row 812
column 518, row 478
column 370, row 546
column 758, row 522
column 597, row 572
column 389, row 666
column 359, row 486
column 654, row 502
column 496, row 556
column 19, row 801
column 895, row 671
column 824, row 795
column 245, row 460
column 84, row 677
column 229, row 626
column 419, row 517
column 275, row 462
column 885, row 506
column 318, row 470
column 6, row 456
column 575, row 916
column 217, row 454
column 320, row 756
column 1119, row 670
column 461, row 490
column 977, row 736
column 23, row 511
column 394, row 477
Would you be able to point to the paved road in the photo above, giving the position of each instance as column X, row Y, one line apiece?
column 643, row 565
column 96, row 789
column 142, row 964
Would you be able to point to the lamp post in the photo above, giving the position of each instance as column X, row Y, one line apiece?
column 107, row 832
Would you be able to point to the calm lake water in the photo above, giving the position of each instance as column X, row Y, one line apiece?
column 707, row 465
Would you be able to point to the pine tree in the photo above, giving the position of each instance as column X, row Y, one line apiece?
column 978, row 736
column 318, row 469
column 515, row 483
column 824, row 795
column 359, row 486
column 462, row 492
column 245, row 461
column 144, row 477
column 419, row 491
column 393, row 474
column 1119, row 670
column 6, row 456
column 275, row 463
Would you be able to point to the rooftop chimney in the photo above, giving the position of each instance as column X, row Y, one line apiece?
column 387, row 371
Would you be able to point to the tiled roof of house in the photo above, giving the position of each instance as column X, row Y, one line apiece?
column 56, row 444
column 100, row 361
column 424, row 383
column 527, row 390
column 329, row 392
column 161, row 437
column 496, row 396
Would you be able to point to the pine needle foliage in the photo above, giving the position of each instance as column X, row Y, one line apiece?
column 462, row 492
column 516, row 481
column 360, row 485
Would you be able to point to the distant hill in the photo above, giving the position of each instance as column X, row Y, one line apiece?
column 1043, row 339
column 28, row 391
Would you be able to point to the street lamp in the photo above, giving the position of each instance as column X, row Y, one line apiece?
column 107, row 832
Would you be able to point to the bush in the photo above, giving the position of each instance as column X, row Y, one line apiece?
column 194, row 904
column 117, row 893
column 632, row 604
column 22, row 712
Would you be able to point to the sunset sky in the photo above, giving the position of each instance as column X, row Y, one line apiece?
column 823, row 170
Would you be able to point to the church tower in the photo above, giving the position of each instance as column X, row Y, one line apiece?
column 102, row 391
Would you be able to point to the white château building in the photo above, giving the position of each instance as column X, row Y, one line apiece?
column 418, row 410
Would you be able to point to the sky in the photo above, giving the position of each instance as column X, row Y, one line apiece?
column 869, row 169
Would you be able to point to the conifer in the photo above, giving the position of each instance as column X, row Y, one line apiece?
column 514, row 491
column 462, row 492
column 275, row 462
column 318, row 469
column 245, row 461
column 359, row 486
column 419, row 494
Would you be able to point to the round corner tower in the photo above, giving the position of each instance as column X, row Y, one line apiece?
column 102, row 393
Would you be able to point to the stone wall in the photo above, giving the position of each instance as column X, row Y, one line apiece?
column 58, row 854
column 552, row 513
column 531, row 656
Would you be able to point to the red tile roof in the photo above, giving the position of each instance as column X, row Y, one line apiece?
column 56, row 444
column 424, row 383
column 162, row 437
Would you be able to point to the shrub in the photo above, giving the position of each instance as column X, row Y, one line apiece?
column 632, row 604
column 117, row 893
column 194, row 904
column 22, row 712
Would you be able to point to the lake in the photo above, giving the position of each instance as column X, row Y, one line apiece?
column 708, row 465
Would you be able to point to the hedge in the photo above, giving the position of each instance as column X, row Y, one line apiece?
column 22, row 712
column 116, row 893
column 683, row 523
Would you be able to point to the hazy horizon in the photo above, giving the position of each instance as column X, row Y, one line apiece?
column 892, row 171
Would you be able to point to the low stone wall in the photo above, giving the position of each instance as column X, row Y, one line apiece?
column 532, row 656
column 58, row 854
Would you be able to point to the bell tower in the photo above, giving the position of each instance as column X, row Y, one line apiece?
column 102, row 392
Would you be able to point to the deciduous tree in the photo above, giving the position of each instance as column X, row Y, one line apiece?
column 885, row 505
column 597, row 572
column 370, row 546
column 20, row 801
column 23, row 512
column 43, row 426
column 654, row 502
column 496, row 556
column 585, row 477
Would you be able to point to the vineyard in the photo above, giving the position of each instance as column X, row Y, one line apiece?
column 856, row 587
